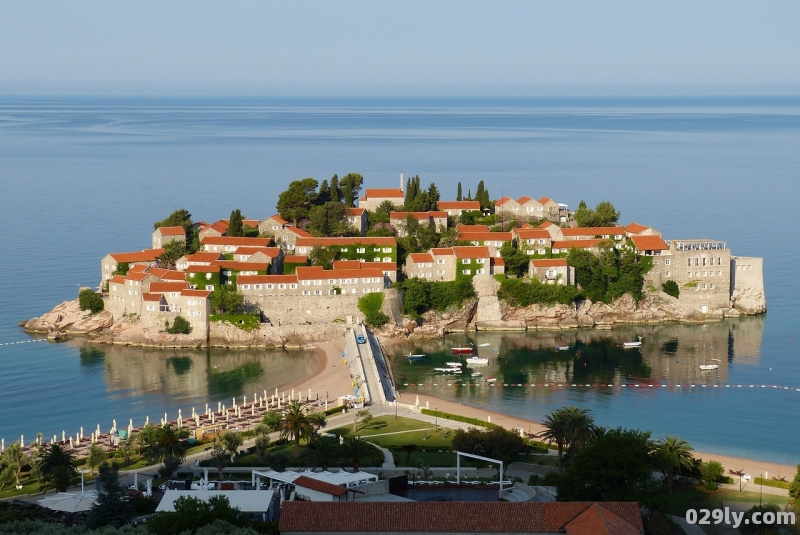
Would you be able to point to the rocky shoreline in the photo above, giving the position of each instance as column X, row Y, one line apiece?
column 484, row 313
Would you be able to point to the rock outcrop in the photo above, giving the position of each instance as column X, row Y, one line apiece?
column 749, row 300
column 68, row 319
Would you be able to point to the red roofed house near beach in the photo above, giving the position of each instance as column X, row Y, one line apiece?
column 374, row 197
column 552, row 271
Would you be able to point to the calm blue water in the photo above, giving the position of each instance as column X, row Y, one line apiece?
column 81, row 177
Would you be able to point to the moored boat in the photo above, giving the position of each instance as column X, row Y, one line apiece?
column 630, row 345
column 477, row 361
column 410, row 357
column 453, row 364
column 709, row 367
column 491, row 379
column 487, row 344
column 562, row 348
column 461, row 350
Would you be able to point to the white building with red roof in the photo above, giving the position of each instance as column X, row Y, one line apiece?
column 370, row 249
column 437, row 219
column 456, row 208
column 493, row 240
column 111, row 262
column 229, row 244
column 552, row 271
column 374, row 197
column 527, row 208
column 442, row 264
column 358, row 219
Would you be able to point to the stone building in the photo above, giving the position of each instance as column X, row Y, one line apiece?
column 399, row 220
column 165, row 235
column 533, row 241
column 111, row 262
column 358, row 219
column 229, row 244
column 200, row 258
column 313, row 281
column 374, row 197
column 615, row 234
column 562, row 247
column 456, row 208
column 493, row 240
column 526, row 208
column 552, row 271
column 369, row 249
column 443, row 264
column 215, row 230
column 635, row 229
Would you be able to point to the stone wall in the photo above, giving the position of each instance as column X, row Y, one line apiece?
column 747, row 281
column 309, row 309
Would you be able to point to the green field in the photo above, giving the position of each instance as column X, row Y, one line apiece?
column 687, row 496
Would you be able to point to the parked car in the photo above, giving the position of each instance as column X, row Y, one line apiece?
column 360, row 339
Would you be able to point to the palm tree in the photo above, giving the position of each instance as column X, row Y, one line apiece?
column 673, row 454
column 170, row 441
column 323, row 451
column 296, row 424
column 355, row 449
column 555, row 425
column 232, row 440
column 580, row 428
column 56, row 468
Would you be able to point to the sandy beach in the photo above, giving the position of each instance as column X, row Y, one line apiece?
column 332, row 377
column 754, row 468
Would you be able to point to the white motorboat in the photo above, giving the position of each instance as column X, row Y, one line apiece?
column 630, row 345
column 414, row 357
column 477, row 361
column 562, row 348
column 487, row 344
column 477, row 374
column 448, row 370
column 453, row 364
column 709, row 367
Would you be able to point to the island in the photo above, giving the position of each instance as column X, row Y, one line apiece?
column 405, row 263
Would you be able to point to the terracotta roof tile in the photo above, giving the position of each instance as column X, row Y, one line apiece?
column 173, row 286
column 497, row 261
column 171, row 231
column 317, row 273
column 137, row 276
column 236, row 240
column 445, row 517
column 196, row 293
column 485, row 236
column 117, row 279
column 202, row 269
column 649, row 243
column 576, row 244
column 355, row 211
column 151, row 297
column 503, row 200
column 597, row 520
column 524, row 199
column 347, row 264
column 472, row 228
column 389, row 193
column 278, row 219
column 166, row 274
column 545, row 200
column 138, row 268
column 549, row 262
column 635, row 228
column 242, row 266
column 593, row 231
column 462, row 252
column 147, row 255
column 532, row 233
column 320, row 486
column 421, row 257
column 442, row 251
column 204, row 256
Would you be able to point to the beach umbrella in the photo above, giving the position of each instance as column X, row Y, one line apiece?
column 77, row 438
column 165, row 418
column 253, row 411
column 206, row 407
column 81, row 432
column 219, row 407
column 244, row 400
column 54, row 440
column 276, row 390
column 212, row 418
column 146, row 420
column 193, row 413
column 197, row 420
column 98, row 430
column 234, row 403
column 63, row 436
column 71, row 502
column 70, row 443
column 417, row 403
column 326, row 404
column 130, row 427
column 22, row 440
column 2, row 445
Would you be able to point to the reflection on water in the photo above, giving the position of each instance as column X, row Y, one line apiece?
column 670, row 352
column 196, row 374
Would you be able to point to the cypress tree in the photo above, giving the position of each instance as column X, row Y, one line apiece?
column 235, row 223
column 336, row 193
column 459, row 195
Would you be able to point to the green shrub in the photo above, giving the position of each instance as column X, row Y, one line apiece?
column 458, row 418
column 334, row 410
column 89, row 300
column 521, row 293
column 370, row 305
column 711, row 471
column 421, row 296
column 179, row 326
column 671, row 288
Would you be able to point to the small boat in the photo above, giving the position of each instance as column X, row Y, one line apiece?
column 630, row 345
column 479, row 361
column 487, row 344
column 410, row 357
column 453, row 364
column 461, row 350
column 562, row 348
column 477, row 374
column 447, row 370
column 491, row 379
column 709, row 367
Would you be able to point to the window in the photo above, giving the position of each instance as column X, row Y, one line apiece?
column 481, row 260
column 688, row 273
column 387, row 259
column 228, row 273
column 667, row 261
column 541, row 251
column 387, row 249
column 467, row 260
column 711, row 286
column 666, row 273
column 719, row 273
column 306, row 292
column 361, row 250
column 258, row 286
column 305, row 283
column 270, row 286
column 704, row 260
column 344, row 249
column 210, row 287
column 719, row 260
column 208, row 276
column 317, row 283
column 704, row 286
column 466, row 272
column 696, row 261
column 440, row 272
column 151, row 307
column 690, row 262
column 704, row 273
column 293, row 286
column 245, row 286
column 281, row 286
column 478, row 272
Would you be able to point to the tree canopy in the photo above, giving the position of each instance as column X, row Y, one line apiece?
column 603, row 215
column 350, row 186
column 609, row 275
column 296, row 201
column 235, row 226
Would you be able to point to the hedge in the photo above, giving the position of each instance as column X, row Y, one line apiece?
column 459, row 418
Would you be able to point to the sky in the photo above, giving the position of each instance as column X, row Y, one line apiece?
column 399, row 48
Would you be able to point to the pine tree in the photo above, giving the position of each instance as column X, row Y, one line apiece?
column 433, row 197
column 459, row 195
column 336, row 193
column 235, row 223
column 324, row 193
column 111, row 509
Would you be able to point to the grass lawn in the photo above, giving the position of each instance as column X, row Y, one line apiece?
column 245, row 322
column 685, row 496
column 381, row 425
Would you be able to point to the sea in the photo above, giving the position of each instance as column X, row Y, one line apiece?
column 84, row 176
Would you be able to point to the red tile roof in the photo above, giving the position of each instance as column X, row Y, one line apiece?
column 220, row 226
column 137, row 276
column 166, row 274
column 139, row 268
column 485, row 236
column 300, row 233
column 472, row 228
column 448, row 517
column 203, row 256
column 355, row 211
column 524, row 199
column 147, row 255
column 236, row 240
column 347, row 264
column 327, row 242
column 202, row 269
column 503, row 200
column 459, row 205
column 547, row 224
column 320, row 486
column 390, row 193
column 117, row 279
column 576, row 244
column 265, row 279
column 463, row 252
column 532, row 233
column 497, row 261
column 242, row 266
column 151, row 297
column 278, row 219
column 549, row 262
column 295, row 259
column 421, row 257
column 442, row 251
column 593, row 231
column 196, row 293
column 545, row 200
column 597, row 520
column 171, row 231
column 649, row 243
column 162, row 287
column 635, row 228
